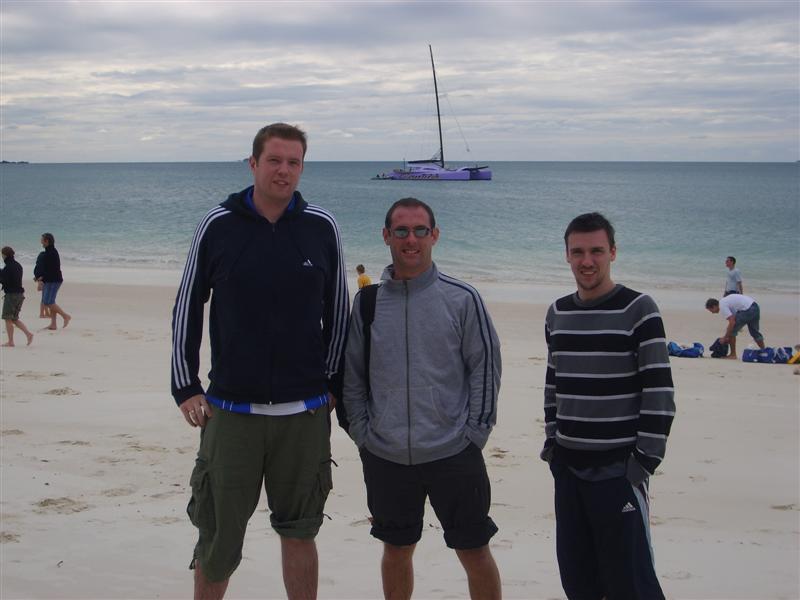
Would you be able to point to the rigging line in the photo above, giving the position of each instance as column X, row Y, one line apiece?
column 447, row 97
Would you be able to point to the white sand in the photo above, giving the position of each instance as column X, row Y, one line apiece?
column 96, row 461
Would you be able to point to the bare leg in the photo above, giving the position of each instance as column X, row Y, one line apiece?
column 732, row 342
column 482, row 573
column 9, row 333
column 24, row 330
column 43, row 312
column 397, row 571
column 56, row 310
column 205, row 589
column 300, row 568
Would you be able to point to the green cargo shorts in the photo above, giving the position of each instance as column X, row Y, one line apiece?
column 12, row 304
column 289, row 455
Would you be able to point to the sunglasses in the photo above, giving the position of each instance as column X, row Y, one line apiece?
column 402, row 232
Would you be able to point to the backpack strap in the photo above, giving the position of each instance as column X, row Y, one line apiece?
column 369, row 297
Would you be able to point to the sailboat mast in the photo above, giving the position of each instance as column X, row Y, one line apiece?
column 438, row 114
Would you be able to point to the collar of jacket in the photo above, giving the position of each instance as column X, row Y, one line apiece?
column 419, row 282
column 237, row 203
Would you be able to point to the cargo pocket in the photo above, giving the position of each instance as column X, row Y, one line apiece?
column 201, row 505
column 325, row 479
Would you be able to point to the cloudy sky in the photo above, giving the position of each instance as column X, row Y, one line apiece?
column 184, row 81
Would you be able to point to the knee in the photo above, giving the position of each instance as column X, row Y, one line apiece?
column 398, row 553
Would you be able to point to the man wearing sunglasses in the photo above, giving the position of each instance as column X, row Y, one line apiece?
column 422, row 404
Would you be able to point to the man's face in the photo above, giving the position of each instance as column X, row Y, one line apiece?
column 278, row 169
column 590, row 257
column 44, row 242
column 713, row 309
column 411, row 255
column 729, row 263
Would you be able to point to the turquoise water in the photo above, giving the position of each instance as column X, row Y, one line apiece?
column 675, row 222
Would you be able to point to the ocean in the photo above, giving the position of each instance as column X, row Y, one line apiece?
column 675, row 222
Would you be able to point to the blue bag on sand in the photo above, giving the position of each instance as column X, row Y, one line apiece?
column 782, row 355
column 765, row 355
column 676, row 349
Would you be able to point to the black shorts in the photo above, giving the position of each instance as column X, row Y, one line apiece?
column 458, row 489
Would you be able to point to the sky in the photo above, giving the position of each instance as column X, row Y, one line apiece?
column 569, row 80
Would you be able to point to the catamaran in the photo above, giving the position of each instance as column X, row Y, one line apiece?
column 434, row 168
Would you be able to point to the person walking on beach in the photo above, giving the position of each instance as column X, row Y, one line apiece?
column 738, row 310
column 733, row 278
column 363, row 278
column 49, row 273
column 11, row 279
column 421, row 400
column 274, row 269
column 608, row 409
column 43, row 313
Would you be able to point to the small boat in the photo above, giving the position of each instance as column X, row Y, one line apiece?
column 434, row 168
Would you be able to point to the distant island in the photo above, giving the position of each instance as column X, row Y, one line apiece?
column 14, row 162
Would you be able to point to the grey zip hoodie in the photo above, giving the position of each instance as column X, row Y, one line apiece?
column 434, row 370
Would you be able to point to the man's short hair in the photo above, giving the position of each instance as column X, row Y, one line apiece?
column 712, row 302
column 49, row 237
column 588, row 222
column 733, row 260
column 409, row 203
column 7, row 252
column 359, row 268
column 279, row 130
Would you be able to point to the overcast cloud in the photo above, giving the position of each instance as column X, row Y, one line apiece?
column 181, row 81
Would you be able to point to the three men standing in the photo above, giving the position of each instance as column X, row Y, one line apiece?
column 608, row 405
column 421, row 399
column 273, row 267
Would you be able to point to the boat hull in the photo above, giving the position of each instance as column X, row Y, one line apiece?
column 437, row 173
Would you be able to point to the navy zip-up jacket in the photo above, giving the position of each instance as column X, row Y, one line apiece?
column 279, row 305
column 48, row 266
column 11, row 276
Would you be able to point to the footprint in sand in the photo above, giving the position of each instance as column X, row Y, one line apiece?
column 498, row 452
column 65, row 391
column 12, row 432
column 677, row 575
column 73, row 443
column 31, row 375
column 165, row 520
column 120, row 491
column 698, row 478
column 361, row 522
column 6, row 537
column 784, row 506
column 61, row 505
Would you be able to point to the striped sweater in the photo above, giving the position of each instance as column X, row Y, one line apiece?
column 608, row 389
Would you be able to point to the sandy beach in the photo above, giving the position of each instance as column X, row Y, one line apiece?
column 96, row 461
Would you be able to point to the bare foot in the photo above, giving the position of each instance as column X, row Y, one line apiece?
column 67, row 319
column 732, row 357
column 30, row 338
column 51, row 328
column 8, row 345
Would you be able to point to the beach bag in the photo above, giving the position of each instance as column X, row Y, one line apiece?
column 718, row 349
column 782, row 355
column 766, row 355
column 695, row 351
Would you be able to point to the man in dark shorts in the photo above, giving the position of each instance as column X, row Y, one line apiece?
column 11, row 278
column 278, row 322
column 421, row 405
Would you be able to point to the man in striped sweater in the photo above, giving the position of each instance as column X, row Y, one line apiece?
column 609, row 405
